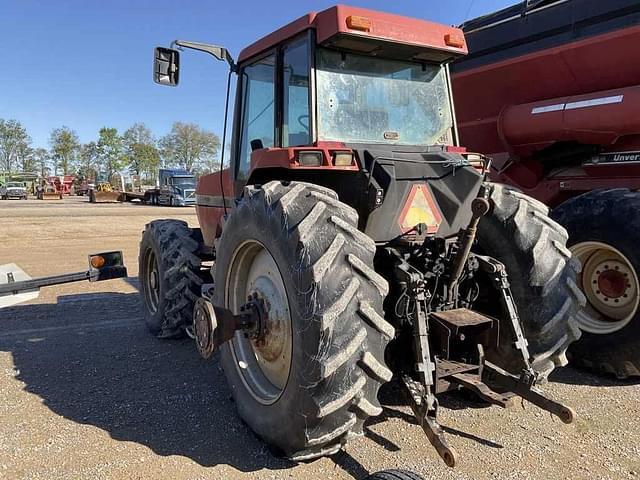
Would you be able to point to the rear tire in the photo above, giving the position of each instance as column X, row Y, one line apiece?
column 604, row 231
column 394, row 475
column 334, row 302
column 542, row 274
column 171, row 275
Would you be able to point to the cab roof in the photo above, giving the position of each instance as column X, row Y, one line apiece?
column 365, row 24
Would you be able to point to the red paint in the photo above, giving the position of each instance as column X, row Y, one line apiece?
column 287, row 157
column 210, row 218
column 384, row 26
column 601, row 62
column 454, row 149
column 494, row 102
column 612, row 283
column 523, row 132
column 556, row 190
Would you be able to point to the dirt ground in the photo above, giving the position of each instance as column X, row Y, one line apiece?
column 87, row 393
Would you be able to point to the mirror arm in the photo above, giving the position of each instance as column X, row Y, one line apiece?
column 220, row 53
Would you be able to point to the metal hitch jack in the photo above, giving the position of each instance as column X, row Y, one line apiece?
column 213, row 326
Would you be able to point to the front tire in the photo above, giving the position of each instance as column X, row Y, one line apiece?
column 604, row 233
column 297, row 246
column 518, row 232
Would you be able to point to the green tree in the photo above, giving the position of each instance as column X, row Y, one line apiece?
column 40, row 157
column 88, row 161
column 14, row 144
column 191, row 147
column 25, row 158
column 110, row 152
column 141, row 154
column 64, row 145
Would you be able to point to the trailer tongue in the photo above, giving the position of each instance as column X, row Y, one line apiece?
column 16, row 286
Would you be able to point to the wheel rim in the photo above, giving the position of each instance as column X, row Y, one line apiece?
column 263, row 363
column 610, row 284
column 152, row 281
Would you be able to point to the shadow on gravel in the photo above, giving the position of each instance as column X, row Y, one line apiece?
column 392, row 395
column 91, row 360
column 577, row 376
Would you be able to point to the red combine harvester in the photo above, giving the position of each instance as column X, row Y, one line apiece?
column 551, row 91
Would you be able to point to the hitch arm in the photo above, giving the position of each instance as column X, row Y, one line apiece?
column 427, row 419
column 524, row 388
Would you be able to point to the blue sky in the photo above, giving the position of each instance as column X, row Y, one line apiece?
column 87, row 63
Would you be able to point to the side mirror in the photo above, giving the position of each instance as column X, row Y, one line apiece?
column 166, row 66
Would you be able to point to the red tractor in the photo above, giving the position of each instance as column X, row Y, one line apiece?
column 551, row 91
column 353, row 240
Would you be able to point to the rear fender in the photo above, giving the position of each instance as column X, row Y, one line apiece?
column 210, row 191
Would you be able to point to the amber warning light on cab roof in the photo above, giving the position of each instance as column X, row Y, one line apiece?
column 356, row 22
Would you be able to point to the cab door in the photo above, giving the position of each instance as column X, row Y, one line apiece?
column 274, row 104
column 257, row 123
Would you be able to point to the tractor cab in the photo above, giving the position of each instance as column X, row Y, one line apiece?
column 353, row 99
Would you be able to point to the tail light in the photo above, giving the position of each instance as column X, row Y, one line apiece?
column 310, row 158
column 342, row 159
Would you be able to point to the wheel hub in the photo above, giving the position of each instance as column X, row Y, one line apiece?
column 611, row 281
column 610, row 284
column 264, row 360
column 152, row 276
column 153, row 279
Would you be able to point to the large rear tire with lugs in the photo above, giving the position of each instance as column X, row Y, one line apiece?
column 171, row 275
column 311, row 380
column 518, row 232
column 604, row 233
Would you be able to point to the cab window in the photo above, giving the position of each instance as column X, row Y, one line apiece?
column 258, row 111
column 295, row 115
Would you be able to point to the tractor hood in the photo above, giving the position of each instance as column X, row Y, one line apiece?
column 420, row 185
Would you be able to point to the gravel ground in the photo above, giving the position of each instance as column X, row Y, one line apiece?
column 86, row 393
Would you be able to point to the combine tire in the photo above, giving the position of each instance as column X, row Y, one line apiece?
column 310, row 382
column 604, row 234
column 542, row 274
column 171, row 275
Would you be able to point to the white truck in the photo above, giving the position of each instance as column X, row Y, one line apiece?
column 13, row 190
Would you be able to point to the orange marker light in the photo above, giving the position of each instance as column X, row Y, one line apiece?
column 356, row 22
column 455, row 39
column 97, row 261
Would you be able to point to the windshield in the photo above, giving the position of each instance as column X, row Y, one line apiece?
column 15, row 185
column 372, row 100
column 183, row 181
